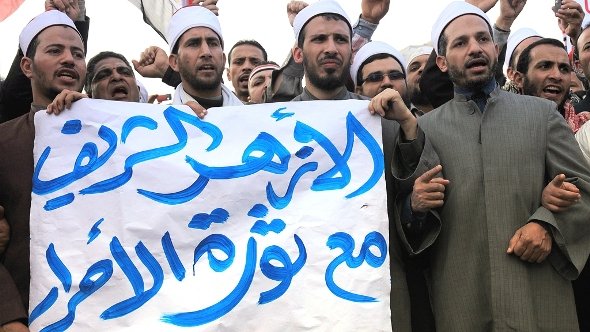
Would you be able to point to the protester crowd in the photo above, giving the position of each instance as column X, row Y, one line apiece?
column 485, row 130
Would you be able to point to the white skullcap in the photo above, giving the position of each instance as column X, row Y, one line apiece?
column 412, row 52
column 40, row 23
column 515, row 39
column 320, row 7
column 373, row 48
column 451, row 12
column 191, row 17
column 259, row 68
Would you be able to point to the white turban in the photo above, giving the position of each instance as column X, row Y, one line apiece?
column 515, row 39
column 451, row 12
column 412, row 52
column 191, row 17
column 40, row 23
column 373, row 48
column 320, row 7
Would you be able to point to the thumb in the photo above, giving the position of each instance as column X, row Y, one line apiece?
column 558, row 180
column 513, row 242
column 135, row 64
column 430, row 174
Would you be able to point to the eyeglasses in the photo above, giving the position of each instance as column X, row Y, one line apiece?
column 378, row 77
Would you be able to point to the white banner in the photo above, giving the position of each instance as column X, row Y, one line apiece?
column 258, row 218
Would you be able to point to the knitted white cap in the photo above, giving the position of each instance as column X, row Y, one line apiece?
column 373, row 48
column 515, row 39
column 191, row 17
column 320, row 7
column 451, row 12
column 40, row 23
column 412, row 52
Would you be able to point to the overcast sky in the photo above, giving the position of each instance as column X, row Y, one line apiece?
column 116, row 25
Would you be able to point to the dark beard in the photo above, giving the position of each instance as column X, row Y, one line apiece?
column 329, row 82
column 199, row 84
column 418, row 98
column 458, row 78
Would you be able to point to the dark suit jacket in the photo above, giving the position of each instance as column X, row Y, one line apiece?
column 16, row 172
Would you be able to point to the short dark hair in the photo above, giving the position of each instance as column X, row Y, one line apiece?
column 443, row 41
column 91, row 67
column 247, row 42
column 525, row 57
column 328, row 16
column 32, row 50
column 378, row 56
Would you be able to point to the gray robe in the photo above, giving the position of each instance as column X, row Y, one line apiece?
column 498, row 163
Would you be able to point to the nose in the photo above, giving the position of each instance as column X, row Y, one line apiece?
column 331, row 46
column 556, row 74
column 68, row 57
column 421, row 69
column 205, row 50
column 474, row 47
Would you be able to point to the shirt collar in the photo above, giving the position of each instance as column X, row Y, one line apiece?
column 486, row 89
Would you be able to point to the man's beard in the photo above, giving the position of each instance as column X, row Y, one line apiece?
column 329, row 82
column 459, row 78
column 197, row 83
column 417, row 97
column 530, row 89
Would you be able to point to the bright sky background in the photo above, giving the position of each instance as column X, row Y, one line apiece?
column 116, row 25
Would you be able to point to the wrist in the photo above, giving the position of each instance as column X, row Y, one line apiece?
column 503, row 24
column 409, row 127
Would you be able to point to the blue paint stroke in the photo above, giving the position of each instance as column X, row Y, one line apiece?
column 71, row 127
column 94, row 231
column 125, row 263
column 138, row 121
column 127, row 306
column 58, row 267
column 258, row 211
column 211, row 242
column 88, row 155
column 280, row 116
column 179, row 197
column 353, row 125
column 224, row 306
column 284, row 273
column 172, row 257
column 104, row 270
column 329, row 180
column 56, row 203
column 265, row 144
column 326, row 181
column 304, row 152
column 204, row 220
column 175, row 119
column 44, row 305
column 262, row 228
column 281, row 202
column 345, row 242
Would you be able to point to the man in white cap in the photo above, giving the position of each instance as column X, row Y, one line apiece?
column 196, row 52
column 416, row 57
column 15, row 91
column 499, row 259
column 517, row 41
column 378, row 66
column 436, row 85
column 54, row 60
column 259, row 80
column 324, row 46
